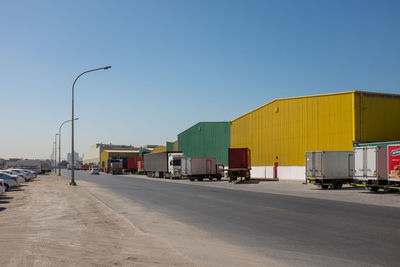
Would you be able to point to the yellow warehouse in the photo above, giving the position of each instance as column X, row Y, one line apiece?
column 158, row 149
column 280, row 132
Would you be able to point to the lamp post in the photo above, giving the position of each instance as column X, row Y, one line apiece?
column 59, row 145
column 55, row 152
column 72, row 120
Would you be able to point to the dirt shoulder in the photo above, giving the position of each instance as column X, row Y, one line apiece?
column 48, row 223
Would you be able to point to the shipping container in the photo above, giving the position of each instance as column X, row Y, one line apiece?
column 132, row 164
column 239, row 166
column 329, row 168
column 239, row 158
column 283, row 130
column 200, row 168
column 206, row 140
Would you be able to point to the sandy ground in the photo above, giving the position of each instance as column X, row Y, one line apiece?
column 48, row 223
column 199, row 246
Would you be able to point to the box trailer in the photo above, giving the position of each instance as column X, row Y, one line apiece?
column 329, row 169
column 132, row 164
column 161, row 164
column 140, row 167
column 201, row 168
column 239, row 163
column 378, row 167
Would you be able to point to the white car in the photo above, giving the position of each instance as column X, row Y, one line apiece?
column 20, row 178
column 10, row 181
column 32, row 173
column 27, row 174
column 20, row 172
column 2, row 186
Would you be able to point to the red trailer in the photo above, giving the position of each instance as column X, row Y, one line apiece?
column 85, row 167
column 239, row 163
column 132, row 164
column 140, row 166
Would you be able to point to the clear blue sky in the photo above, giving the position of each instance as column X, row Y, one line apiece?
column 179, row 62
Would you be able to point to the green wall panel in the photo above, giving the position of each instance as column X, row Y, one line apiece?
column 206, row 139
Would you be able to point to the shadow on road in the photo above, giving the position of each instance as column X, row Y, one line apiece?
column 15, row 189
column 4, row 202
column 5, row 197
column 2, row 208
column 248, row 182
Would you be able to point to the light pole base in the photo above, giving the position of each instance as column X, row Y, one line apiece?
column 73, row 183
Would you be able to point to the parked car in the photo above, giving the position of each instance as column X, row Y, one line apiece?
column 95, row 171
column 26, row 173
column 20, row 177
column 10, row 181
column 2, row 186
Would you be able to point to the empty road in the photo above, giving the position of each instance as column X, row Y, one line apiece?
column 295, row 230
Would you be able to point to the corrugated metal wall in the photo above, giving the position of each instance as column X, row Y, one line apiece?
column 170, row 146
column 143, row 151
column 206, row 139
column 175, row 146
column 159, row 149
column 377, row 117
column 284, row 129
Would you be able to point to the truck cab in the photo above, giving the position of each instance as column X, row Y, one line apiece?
column 175, row 165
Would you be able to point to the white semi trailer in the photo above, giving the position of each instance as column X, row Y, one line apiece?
column 329, row 169
column 377, row 166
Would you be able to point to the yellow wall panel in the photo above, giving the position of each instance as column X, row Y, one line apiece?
column 284, row 129
column 377, row 117
column 175, row 145
column 159, row 149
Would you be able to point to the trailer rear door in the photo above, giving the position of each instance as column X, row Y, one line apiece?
column 371, row 162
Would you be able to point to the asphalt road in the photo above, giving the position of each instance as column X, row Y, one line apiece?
column 339, row 232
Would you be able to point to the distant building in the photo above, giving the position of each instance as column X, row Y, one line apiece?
column 93, row 156
column 69, row 157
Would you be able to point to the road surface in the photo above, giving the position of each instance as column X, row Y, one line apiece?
column 295, row 230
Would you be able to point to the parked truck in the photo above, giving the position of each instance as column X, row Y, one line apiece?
column 162, row 164
column 329, row 169
column 239, row 163
column 116, row 166
column 140, row 166
column 45, row 166
column 132, row 164
column 377, row 166
column 200, row 168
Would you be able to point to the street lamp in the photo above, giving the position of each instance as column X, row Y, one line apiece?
column 72, row 120
column 55, row 153
column 59, row 145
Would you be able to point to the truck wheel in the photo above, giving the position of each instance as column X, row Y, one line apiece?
column 219, row 178
column 373, row 189
column 247, row 178
column 191, row 179
column 210, row 178
column 199, row 179
column 337, row 185
column 324, row 186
